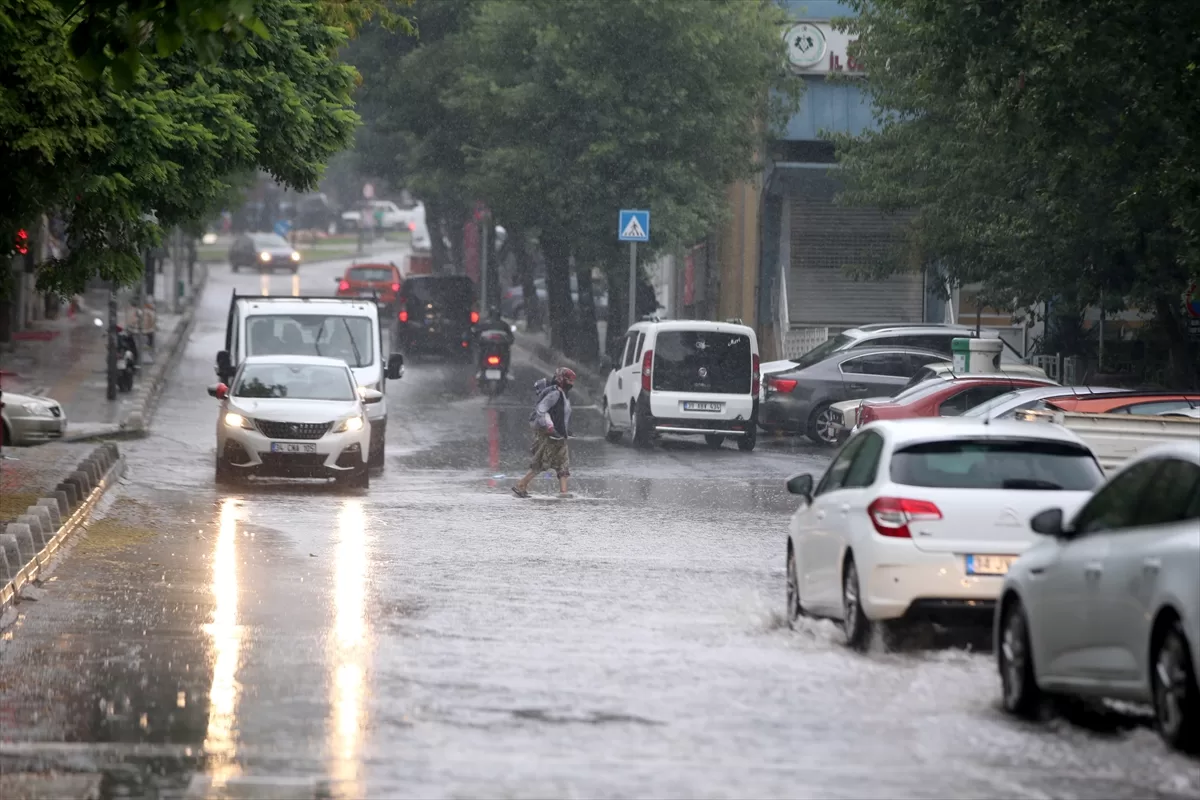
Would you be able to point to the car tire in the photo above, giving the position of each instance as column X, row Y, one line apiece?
column 612, row 434
column 295, row 270
column 820, row 426
column 358, row 479
column 6, row 437
column 1019, row 691
column 855, row 625
column 640, row 429
column 125, row 382
column 224, row 474
column 1174, row 688
column 747, row 441
column 794, row 610
column 715, row 440
column 377, row 457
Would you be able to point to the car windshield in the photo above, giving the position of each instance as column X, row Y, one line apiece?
column 997, row 464
column 294, row 382
column 702, row 361
column 823, row 350
column 333, row 336
column 378, row 274
column 270, row 240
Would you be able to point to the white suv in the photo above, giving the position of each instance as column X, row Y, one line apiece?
column 684, row 377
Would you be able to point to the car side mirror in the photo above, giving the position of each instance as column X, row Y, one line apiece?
column 1049, row 523
column 370, row 395
column 802, row 485
column 223, row 361
column 395, row 367
column 220, row 391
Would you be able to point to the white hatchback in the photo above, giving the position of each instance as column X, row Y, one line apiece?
column 293, row 416
column 919, row 520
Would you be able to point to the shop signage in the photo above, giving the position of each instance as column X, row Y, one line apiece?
column 816, row 48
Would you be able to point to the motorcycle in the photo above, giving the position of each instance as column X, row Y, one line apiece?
column 494, row 356
column 127, row 357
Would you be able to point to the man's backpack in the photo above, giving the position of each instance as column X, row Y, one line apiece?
column 541, row 388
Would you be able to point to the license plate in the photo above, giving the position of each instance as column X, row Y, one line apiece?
column 690, row 406
column 989, row 565
column 290, row 447
column 492, row 374
column 366, row 294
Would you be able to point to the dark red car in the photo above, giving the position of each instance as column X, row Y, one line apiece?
column 949, row 398
column 380, row 281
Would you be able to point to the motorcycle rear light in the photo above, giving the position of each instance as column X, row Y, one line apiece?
column 784, row 385
column 344, row 286
column 395, row 287
column 892, row 515
column 493, row 360
column 403, row 316
column 647, row 369
column 756, row 384
column 466, row 344
column 474, row 317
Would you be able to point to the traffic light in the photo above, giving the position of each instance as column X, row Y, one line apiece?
column 21, row 243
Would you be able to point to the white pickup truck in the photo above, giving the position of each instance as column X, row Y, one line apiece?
column 1114, row 438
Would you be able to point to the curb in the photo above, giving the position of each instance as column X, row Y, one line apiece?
column 146, row 393
column 28, row 544
column 587, row 377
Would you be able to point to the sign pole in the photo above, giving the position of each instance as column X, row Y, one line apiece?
column 483, row 267
column 632, row 282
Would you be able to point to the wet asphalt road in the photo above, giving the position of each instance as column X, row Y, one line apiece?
column 436, row 636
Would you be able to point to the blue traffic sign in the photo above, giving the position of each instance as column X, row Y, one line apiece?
column 282, row 227
column 633, row 226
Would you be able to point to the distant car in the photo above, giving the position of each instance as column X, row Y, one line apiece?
column 436, row 314
column 1108, row 603
column 294, row 416
column 920, row 336
column 378, row 281
column 393, row 217
column 947, row 397
column 1140, row 403
column 1007, row 405
column 27, row 419
column 798, row 400
column 267, row 251
column 918, row 521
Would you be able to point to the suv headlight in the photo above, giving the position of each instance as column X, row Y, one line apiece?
column 38, row 410
column 238, row 421
column 350, row 424
column 264, row 257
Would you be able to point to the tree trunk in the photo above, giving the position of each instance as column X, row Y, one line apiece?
column 618, row 297
column 435, row 220
column 558, row 289
column 455, row 219
column 1184, row 369
column 532, row 303
column 589, row 335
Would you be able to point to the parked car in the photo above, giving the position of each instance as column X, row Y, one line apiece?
column 294, row 416
column 799, row 400
column 378, row 281
column 393, row 216
column 921, row 336
column 436, row 313
column 918, row 521
column 684, row 377
column 1108, row 603
column 513, row 301
column 946, row 397
column 1141, row 403
column 267, row 251
column 1007, row 405
column 27, row 419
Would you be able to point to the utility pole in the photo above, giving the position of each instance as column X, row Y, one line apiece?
column 632, row 282
column 484, row 243
column 111, row 394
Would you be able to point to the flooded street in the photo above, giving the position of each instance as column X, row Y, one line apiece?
column 438, row 637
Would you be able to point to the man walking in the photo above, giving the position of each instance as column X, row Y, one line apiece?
column 551, row 421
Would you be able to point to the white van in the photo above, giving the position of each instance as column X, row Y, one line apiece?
column 348, row 329
column 684, row 377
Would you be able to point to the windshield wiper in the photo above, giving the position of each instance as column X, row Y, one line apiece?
column 353, row 344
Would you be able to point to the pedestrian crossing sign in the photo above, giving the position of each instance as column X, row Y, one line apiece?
column 633, row 226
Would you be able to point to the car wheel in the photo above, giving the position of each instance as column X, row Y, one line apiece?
column 378, row 455
column 6, row 437
column 820, row 426
column 794, row 610
column 224, row 474
column 1014, row 658
column 715, row 440
column 358, row 479
column 1175, row 691
column 611, row 433
column 749, row 439
column 639, row 426
column 855, row 624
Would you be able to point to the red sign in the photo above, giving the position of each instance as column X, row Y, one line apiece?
column 1191, row 301
column 835, row 64
column 21, row 245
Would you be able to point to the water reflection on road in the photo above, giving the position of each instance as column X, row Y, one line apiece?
column 350, row 649
column 220, row 740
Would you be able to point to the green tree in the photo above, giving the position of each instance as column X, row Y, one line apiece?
column 1045, row 150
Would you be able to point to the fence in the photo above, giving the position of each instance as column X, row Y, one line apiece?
column 798, row 341
column 1064, row 370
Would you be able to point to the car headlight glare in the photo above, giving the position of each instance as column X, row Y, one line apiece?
column 264, row 257
column 237, row 421
column 295, row 256
column 350, row 424
column 38, row 410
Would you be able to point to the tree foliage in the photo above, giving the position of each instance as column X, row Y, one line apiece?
column 172, row 142
column 1049, row 150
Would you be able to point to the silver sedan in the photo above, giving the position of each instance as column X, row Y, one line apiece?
column 29, row 420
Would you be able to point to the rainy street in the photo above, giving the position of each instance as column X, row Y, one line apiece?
column 436, row 636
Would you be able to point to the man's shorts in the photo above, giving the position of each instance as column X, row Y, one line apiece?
column 550, row 454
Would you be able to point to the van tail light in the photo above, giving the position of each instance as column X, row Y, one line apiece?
column 493, row 361
column 756, row 384
column 344, row 286
column 647, row 365
column 395, row 287
column 404, row 316
column 784, row 385
column 474, row 317
column 891, row 515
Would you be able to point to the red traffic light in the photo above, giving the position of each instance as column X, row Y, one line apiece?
column 21, row 245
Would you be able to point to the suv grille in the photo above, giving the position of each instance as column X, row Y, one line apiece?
column 292, row 430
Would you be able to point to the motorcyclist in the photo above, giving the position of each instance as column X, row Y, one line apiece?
column 492, row 333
